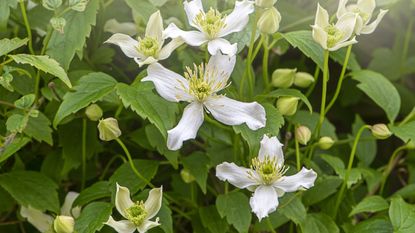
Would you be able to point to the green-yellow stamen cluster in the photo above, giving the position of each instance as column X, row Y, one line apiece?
column 334, row 35
column 148, row 46
column 211, row 22
column 199, row 87
column 268, row 169
column 363, row 15
column 137, row 213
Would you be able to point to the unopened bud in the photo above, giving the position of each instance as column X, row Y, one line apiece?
column 93, row 112
column 287, row 105
column 186, row 176
column 303, row 135
column 325, row 143
column 64, row 224
column 108, row 129
column 303, row 79
column 283, row 78
column 381, row 131
column 265, row 3
column 269, row 22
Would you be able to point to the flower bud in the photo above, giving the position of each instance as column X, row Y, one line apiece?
column 93, row 112
column 63, row 224
column 303, row 79
column 325, row 143
column 108, row 129
column 287, row 105
column 269, row 22
column 283, row 78
column 303, row 135
column 381, row 131
column 186, row 176
column 265, row 3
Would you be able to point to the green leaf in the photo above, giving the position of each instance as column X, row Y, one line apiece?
column 143, row 8
column 323, row 188
column 198, row 165
column 405, row 132
column 39, row 128
column 311, row 120
column 90, row 88
column 292, row 208
column 63, row 46
column 157, row 141
column 8, row 150
column 372, row 225
column 16, row 123
column 97, row 191
column 93, row 217
column 290, row 92
column 5, row 6
column 212, row 220
column 234, row 206
column 25, row 101
column 319, row 223
column 44, row 63
column 370, row 204
column 142, row 100
column 31, row 188
column 380, row 90
column 8, row 45
column 402, row 216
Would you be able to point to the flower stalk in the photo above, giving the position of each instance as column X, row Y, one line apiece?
column 324, row 92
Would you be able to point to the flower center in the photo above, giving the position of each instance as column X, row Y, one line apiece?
column 211, row 22
column 137, row 213
column 363, row 15
column 199, row 87
column 334, row 35
column 148, row 46
column 268, row 169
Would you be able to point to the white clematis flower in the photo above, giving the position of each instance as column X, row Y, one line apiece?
column 138, row 214
column 266, row 177
column 149, row 49
column 45, row 223
column 334, row 36
column 364, row 9
column 199, row 87
column 212, row 26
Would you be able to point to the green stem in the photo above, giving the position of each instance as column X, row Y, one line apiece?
column 324, row 92
column 297, row 154
column 389, row 167
column 215, row 123
column 407, row 41
column 46, row 40
column 5, row 62
column 340, row 82
column 265, row 62
column 84, row 123
column 349, row 168
column 247, row 72
column 271, row 228
column 110, row 162
column 27, row 25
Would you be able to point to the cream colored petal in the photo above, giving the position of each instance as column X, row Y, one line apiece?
column 153, row 202
column 271, row 147
column 320, row 36
column 367, row 6
column 341, row 10
column 322, row 17
column 219, row 45
column 193, row 38
column 192, row 9
column 264, row 201
column 169, row 48
column 343, row 44
column 67, row 204
column 239, row 18
column 346, row 24
column 239, row 177
column 123, row 200
column 147, row 225
column 145, row 61
column 123, row 226
column 372, row 26
column 37, row 218
column 303, row 179
column 154, row 27
column 127, row 44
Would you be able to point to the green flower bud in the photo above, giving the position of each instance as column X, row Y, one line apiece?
column 108, row 129
column 269, row 22
column 265, row 3
column 287, row 105
column 186, row 176
column 303, row 79
column 325, row 143
column 63, row 224
column 93, row 112
column 381, row 131
column 303, row 135
column 283, row 78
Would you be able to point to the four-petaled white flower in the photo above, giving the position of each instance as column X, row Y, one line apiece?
column 138, row 214
column 364, row 9
column 266, row 177
column 46, row 223
column 149, row 49
column 199, row 87
column 334, row 36
column 212, row 26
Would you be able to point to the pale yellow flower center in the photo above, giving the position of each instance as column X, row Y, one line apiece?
column 334, row 35
column 268, row 169
column 137, row 213
column 148, row 46
column 363, row 15
column 211, row 22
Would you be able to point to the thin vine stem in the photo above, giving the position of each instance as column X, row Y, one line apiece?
column 247, row 71
column 265, row 62
column 324, row 92
column 297, row 154
column 389, row 167
column 84, row 124
column 27, row 25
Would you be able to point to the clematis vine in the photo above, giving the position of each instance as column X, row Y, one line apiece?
column 138, row 214
column 212, row 26
column 63, row 223
column 364, row 10
column 149, row 49
column 334, row 36
column 266, row 177
column 199, row 87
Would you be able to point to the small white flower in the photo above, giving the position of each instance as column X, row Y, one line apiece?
column 149, row 49
column 199, row 87
column 334, row 36
column 212, row 26
column 44, row 222
column 138, row 214
column 364, row 9
column 266, row 177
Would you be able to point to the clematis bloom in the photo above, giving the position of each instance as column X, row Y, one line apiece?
column 199, row 87
column 266, row 177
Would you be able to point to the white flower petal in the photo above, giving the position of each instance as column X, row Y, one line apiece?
column 271, row 147
column 239, row 18
column 114, row 26
column 237, row 176
column 169, row 85
column 145, row 61
column 232, row 112
column 127, row 44
column 341, row 10
column 154, row 27
column 320, row 36
column 322, row 17
column 153, row 202
column 193, row 38
column 147, row 225
column 303, row 179
column 67, row 204
column 219, row 69
column 39, row 220
column 188, row 126
column 123, row 226
column 367, row 6
column 264, row 201
column 169, row 48
column 372, row 26
column 123, row 200
column 220, row 44
column 343, row 44
column 192, row 9
column 346, row 24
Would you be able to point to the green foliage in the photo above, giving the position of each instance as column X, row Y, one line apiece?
column 234, row 206
column 93, row 217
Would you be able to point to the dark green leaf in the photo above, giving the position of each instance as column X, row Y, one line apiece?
column 234, row 206
column 405, row 132
column 402, row 216
column 291, row 92
column 370, row 204
column 39, row 129
column 198, row 165
column 8, row 45
column 212, row 220
column 319, row 223
column 97, row 191
column 93, row 217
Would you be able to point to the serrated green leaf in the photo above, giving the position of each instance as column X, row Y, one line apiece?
column 211, row 220
column 370, row 204
column 25, row 101
column 235, row 207
column 39, row 128
column 323, row 188
column 97, row 191
column 378, row 225
column 319, row 223
column 16, row 123
column 405, row 132
column 93, row 217
column 156, row 140
column 292, row 208
column 8, row 45
column 198, row 165
column 5, row 6
column 402, row 216
column 8, row 150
